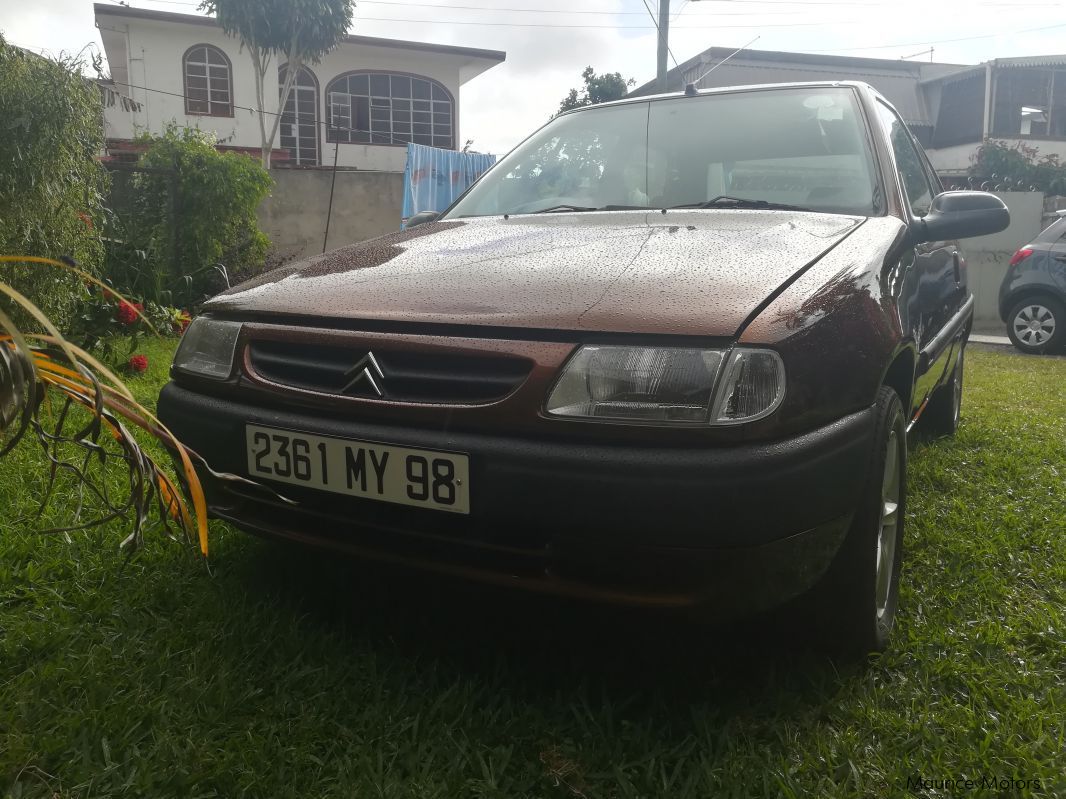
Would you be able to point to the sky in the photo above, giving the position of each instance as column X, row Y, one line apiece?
column 549, row 42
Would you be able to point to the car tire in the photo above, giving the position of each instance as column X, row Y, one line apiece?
column 856, row 601
column 1037, row 325
column 941, row 415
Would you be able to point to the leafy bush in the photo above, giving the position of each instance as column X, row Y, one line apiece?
column 194, row 210
column 51, row 185
column 103, row 319
column 1019, row 166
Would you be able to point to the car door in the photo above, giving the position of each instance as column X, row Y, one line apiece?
column 933, row 289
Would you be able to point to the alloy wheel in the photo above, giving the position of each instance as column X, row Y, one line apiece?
column 1034, row 325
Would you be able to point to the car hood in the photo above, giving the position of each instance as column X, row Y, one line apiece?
column 682, row 272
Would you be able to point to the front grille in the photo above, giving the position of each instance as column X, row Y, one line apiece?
column 406, row 376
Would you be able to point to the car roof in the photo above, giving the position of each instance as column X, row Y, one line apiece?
column 818, row 84
column 1053, row 232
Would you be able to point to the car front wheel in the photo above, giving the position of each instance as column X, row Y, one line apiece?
column 1037, row 325
column 857, row 599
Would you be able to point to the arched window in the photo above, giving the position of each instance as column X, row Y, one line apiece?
column 208, row 81
column 298, row 127
column 389, row 108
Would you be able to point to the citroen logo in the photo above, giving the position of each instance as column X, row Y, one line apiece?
column 367, row 369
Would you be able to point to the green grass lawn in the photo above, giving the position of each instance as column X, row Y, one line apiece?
column 283, row 673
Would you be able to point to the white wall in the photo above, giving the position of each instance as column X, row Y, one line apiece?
column 952, row 160
column 987, row 256
column 154, row 57
column 956, row 159
column 155, row 51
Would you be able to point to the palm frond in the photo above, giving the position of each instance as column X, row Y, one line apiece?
column 84, row 433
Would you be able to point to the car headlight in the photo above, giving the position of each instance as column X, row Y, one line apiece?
column 668, row 385
column 753, row 385
column 207, row 348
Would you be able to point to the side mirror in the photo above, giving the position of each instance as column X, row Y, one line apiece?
column 961, row 214
column 421, row 218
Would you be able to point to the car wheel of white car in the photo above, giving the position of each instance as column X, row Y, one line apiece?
column 858, row 597
column 1037, row 325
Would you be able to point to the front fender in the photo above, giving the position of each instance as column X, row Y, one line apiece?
column 837, row 326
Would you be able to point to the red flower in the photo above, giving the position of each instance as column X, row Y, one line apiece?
column 138, row 363
column 86, row 219
column 127, row 314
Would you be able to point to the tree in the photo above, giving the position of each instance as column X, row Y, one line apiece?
column 52, row 186
column 598, row 89
column 301, row 31
column 193, row 208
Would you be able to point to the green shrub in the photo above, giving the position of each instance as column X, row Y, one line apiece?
column 51, row 185
column 194, row 209
column 1019, row 166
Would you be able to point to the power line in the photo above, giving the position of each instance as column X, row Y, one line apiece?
column 824, row 23
column 691, row 13
column 772, row 25
column 890, row 3
column 39, row 50
column 532, row 10
column 652, row 27
column 481, row 23
column 940, row 41
column 549, row 24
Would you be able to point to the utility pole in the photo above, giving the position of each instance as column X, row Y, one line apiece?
column 664, row 44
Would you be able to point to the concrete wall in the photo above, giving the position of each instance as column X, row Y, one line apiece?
column 953, row 160
column 987, row 256
column 365, row 204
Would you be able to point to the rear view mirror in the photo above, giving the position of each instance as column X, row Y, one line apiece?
column 421, row 218
column 961, row 214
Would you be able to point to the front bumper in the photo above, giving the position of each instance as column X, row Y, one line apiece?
column 733, row 529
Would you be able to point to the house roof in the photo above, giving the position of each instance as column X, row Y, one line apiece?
column 371, row 41
column 1031, row 61
column 850, row 64
column 897, row 80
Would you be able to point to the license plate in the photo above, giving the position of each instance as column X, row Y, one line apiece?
column 423, row 478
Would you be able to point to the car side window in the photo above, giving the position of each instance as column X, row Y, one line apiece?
column 1055, row 233
column 908, row 160
column 931, row 175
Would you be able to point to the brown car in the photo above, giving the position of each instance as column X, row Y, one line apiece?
column 666, row 352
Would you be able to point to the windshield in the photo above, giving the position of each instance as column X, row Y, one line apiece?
column 803, row 147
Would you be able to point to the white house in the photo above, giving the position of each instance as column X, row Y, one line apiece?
column 360, row 105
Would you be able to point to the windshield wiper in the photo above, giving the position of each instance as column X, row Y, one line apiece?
column 558, row 209
column 724, row 200
column 555, row 209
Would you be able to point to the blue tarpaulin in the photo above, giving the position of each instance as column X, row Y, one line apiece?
column 434, row 177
